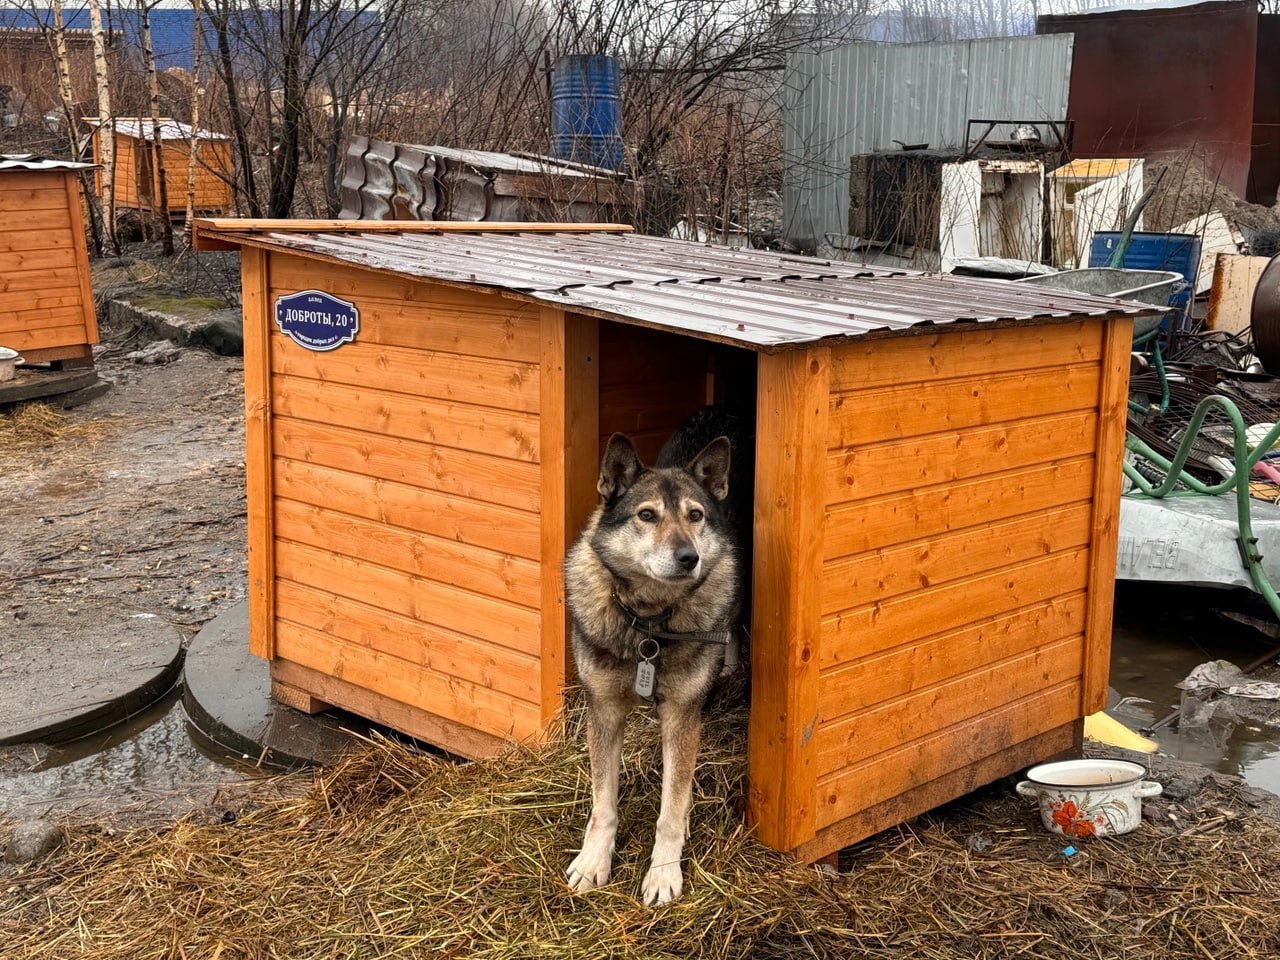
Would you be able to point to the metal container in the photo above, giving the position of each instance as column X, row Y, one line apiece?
column 9, row 361
column 1159, row 287
column 586, row 110
column 1089, row 798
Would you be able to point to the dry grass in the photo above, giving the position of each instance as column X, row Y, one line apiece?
column 34, row 425
column 398, row 854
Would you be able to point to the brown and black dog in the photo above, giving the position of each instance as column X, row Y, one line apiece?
column 654, row 587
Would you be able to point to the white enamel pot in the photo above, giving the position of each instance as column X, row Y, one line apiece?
column 1089, row 798
column 9, row 361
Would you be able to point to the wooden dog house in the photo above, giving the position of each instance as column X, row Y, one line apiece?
column 137, row 181
column 46, row 299
column 935, row 532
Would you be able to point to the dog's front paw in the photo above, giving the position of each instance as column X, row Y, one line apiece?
column 591, row 868
column 662, row 884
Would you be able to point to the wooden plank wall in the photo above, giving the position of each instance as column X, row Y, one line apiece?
column 213, row 193
column 406, row 488
column 128, row 170
column 45, row 299
column 650, row 381
column 958, row 485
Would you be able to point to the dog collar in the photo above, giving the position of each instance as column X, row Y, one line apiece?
column 655, row 628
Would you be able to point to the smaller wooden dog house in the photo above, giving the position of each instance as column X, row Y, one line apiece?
column 937, row 480
column 136, row 180
column 46, row 300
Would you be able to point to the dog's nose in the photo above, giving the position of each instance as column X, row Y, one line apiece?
column 687, row 557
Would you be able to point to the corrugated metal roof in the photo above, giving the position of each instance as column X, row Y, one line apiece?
column 30, row 161
column 142, row 128
column 760, row 300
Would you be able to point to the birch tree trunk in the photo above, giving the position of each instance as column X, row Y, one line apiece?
column 106, row 124
column 160, row 185
column 67, row 98
column 65, row 95
column 194, row 147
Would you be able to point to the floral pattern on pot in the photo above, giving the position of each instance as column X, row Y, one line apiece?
column 1081, row 821
column 1089, row 798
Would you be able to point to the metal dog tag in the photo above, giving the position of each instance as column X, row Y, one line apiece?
column 645, row 674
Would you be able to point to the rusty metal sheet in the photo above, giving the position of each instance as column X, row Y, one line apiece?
column 1264, row 168
column 1156, row 80
column 754, row 299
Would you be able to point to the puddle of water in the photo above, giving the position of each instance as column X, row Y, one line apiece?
column 151, row 763
column 1159, row 638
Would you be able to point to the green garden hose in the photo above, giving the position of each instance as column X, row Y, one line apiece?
column 1178, row 482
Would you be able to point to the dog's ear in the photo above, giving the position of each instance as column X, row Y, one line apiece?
column 711, row 467
column 619, row 468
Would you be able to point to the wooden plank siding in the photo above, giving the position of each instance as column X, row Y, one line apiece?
column 792, row 406
column 1113, row 397
column 959, row 603
column 418, row 476
column 649, row 382
column 46, row 302
column 570, row 420
column 213, row 173
column 137, row 182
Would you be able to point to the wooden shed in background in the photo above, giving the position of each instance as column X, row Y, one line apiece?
column 46, row 299
column 937, row 476
column 137, row 182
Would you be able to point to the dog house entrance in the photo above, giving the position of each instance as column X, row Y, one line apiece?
column 651, row 380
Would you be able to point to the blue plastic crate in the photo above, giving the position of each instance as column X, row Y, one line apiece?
column 1177, row 252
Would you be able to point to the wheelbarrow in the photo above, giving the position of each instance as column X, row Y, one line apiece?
column 1158, row 287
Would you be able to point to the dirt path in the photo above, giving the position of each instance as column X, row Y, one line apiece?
column 132, row 508
column 143, row 512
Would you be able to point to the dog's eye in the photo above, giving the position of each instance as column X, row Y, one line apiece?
column 647, row 515
column 695, row 516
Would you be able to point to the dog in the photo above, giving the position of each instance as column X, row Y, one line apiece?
column 654, row 590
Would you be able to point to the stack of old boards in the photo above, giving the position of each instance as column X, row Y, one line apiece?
column 936, row 474
column 46, row 301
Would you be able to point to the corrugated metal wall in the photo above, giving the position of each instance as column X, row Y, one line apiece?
column 862, row 97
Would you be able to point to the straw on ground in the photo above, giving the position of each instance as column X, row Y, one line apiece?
column 396, row 853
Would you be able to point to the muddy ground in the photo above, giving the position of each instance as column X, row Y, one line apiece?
column 132, row 507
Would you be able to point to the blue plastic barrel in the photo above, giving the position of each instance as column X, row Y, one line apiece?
column 1177, row 252
column 586, row 110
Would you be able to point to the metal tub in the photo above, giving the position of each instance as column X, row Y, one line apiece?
column 1158, row 287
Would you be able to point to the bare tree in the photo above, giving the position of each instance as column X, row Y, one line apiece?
column 224, row 14
column 160, row 176
column 63, row 63
column 56, row 37
column 193, row 148
column 279, row 53
column 106, row 123
column 676, row 52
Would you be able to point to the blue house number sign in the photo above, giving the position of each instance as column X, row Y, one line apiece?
column 317, row 320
